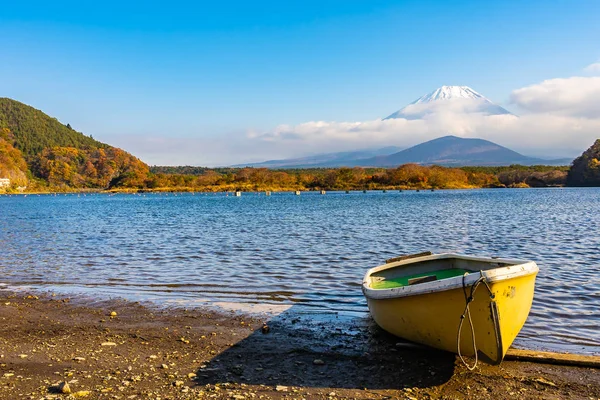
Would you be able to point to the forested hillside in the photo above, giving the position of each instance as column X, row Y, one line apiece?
column 37, row 150
column 35, row 131
column 586, row 168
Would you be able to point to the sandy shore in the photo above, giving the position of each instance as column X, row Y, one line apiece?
column 142, row 352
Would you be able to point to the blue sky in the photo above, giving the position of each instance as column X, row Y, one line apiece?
column 184, row 82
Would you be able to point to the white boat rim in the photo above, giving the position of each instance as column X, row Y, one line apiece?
column 515, row 269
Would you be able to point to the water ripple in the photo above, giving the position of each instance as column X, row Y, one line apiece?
column 308, row 250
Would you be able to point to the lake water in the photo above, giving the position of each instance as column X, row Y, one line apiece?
column 309, row 251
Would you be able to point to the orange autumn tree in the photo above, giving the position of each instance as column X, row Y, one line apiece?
column 91, row 168
column 12, row 163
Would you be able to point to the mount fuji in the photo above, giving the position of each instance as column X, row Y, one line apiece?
column 449, row 99
column 446, row 150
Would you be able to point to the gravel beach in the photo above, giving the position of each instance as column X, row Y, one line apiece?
column 56, row 347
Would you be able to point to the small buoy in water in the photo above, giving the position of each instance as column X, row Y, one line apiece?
column 323, row 192
column 238, row 194
column 297, row 193
column 267, row 193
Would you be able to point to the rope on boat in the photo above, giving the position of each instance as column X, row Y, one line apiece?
column 467, row 312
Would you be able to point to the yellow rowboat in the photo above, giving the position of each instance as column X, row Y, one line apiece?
column 472, row 306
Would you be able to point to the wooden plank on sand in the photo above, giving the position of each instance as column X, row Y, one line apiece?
column 553, row 358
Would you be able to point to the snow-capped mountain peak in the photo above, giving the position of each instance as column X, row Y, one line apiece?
column 449, row 99
column 449, row 93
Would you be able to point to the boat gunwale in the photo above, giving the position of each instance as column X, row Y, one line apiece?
column 516, row 269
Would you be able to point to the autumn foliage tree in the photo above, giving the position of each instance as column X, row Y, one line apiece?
column 90, row 168
column 12, row 162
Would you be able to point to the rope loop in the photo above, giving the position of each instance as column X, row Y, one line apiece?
column 467, row 313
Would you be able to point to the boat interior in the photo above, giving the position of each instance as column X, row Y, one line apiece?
column 417, row 272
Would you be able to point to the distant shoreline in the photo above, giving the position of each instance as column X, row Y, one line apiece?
column 232, row 192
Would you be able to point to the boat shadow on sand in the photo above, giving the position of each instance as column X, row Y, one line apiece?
column 301, row 350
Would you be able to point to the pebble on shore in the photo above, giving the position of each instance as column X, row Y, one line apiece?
column 70, row 355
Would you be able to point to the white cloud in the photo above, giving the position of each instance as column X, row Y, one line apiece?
column 541, row 135
column 534, row 134
column 593, row 68
column 577, row 96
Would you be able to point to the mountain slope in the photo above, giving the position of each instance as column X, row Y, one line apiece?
column 34, row 131
column 455, row 99
column 455, row 151
column 35, row 144
column 323, row 160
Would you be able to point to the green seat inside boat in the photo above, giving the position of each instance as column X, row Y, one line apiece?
column 418, row 278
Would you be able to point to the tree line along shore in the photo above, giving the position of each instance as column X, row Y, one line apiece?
column 405, row 177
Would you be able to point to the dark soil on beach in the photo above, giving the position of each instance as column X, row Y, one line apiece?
column 142, row 352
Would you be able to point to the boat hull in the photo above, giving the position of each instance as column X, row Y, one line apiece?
column 433, row 318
